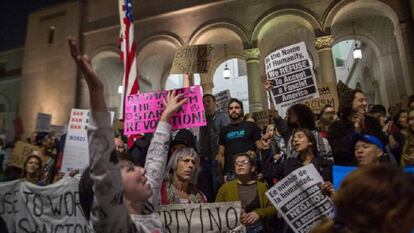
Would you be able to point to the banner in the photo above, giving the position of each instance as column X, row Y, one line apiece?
column 298, row 198
column 26, row 207
column 21, row 151
column 291, row 70
column 76, row 152
column 327, row 95
column 205, row 217
column 222, row 100
column 143, row 111
column 192, row 59
column 43, row 121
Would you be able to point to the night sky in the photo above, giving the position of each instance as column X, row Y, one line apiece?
column 13, row 20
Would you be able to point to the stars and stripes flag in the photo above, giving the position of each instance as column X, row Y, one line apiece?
column 130, row 77
column 128, row 57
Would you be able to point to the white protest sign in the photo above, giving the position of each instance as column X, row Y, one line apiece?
column 204, row 217
column 222, row 100
column 192, row 59
column 298, row 198
column 291, row 70
column 43, row 121
column 76, row 152
column 26, row 207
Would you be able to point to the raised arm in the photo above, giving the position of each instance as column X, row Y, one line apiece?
column 109, row 213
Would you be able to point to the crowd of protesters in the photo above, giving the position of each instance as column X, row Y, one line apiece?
column 233, row 159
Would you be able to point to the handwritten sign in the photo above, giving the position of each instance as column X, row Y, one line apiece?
column 262, row 118
column 192, row 59
column 143, row 111
column 222, row 100
column 299, row 199
column 205, row 217
column 291, row 70
column 327, row 96
column 26, row 207
column 21, row 151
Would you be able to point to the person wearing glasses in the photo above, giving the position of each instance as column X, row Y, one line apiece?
column 256, row 207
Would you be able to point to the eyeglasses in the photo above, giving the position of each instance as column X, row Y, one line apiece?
column 242, row 162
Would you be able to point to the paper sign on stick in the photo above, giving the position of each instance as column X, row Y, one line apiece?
column 299, row 199
column 222, row 100
column 291, row 70
column 143, row 111
column 43, row 121
column 192, row 59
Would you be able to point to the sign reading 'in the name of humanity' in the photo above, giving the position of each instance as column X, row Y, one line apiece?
column 291, row 70
column 299, row 199
column 143, row 111
column 192, row 59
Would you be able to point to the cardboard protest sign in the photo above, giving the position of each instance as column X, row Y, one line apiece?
column 43, row 121
column 298, row 198
column 291, row 70
column 192, row 59
column 327, row 95
column 222, row 100
column 20, row 153
column 143, row 111
column 204, row 217
column 262, row 118
column 76, row 152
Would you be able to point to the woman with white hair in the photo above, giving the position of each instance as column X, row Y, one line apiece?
column 180, row 187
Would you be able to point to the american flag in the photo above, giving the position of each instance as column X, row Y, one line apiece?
column 130, row 77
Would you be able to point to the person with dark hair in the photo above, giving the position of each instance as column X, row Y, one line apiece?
column 256, row 207
column 352, row 120
column 32, row 169
column 368, row 149
column 124, row 195
column 373, row 199
column 250, row 117
column 326, row 117
column 301, row 116
column 240, row 136
column 209, row 177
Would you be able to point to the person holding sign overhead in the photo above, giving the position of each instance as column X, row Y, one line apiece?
column 124, row 194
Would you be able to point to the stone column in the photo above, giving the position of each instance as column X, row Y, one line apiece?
column 406, row 57
column 327, row 67
column 255, row 85
column 207, row 87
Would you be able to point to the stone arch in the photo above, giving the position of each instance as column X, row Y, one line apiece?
column 220, row 33
column 154, row 59
column 301, row 16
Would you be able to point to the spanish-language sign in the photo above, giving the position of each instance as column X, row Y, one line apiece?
column 76, row 152
column 298, row 198
column 21, row 151
column 192, row 59
column 291, row 70
column 262, row 118
column 222, row 100
column 204, row 217
column 327, row 96
column 43, row 121
column 143, row 111
column 26, row 207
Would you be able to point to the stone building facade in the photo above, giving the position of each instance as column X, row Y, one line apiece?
column 251, row 29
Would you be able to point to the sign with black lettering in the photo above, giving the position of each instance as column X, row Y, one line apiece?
column 26, row 207
column 222, row 100
column 299, row 199
column 262, row 118
column 327, row 96
column 291, row 71
column 192, row 59
column 205, row 217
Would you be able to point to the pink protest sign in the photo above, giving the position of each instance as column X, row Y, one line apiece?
column 143, row 111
